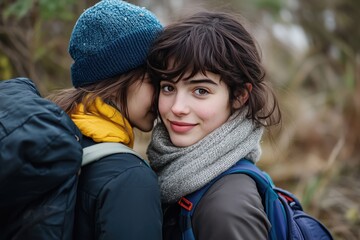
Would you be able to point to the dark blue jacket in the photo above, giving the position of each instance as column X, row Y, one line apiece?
column 40, row 158
column 118, row 198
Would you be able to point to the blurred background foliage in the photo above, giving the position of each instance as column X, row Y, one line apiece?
column 311, row 50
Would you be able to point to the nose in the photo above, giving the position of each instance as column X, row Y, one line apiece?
column 180, row 105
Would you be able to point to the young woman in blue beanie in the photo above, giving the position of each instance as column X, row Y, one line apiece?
column 118, row 195
column 214, row 103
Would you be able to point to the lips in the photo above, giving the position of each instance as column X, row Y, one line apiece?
column 181, row 127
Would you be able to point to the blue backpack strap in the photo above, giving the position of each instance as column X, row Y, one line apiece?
column 272, row 205
column 188, row 205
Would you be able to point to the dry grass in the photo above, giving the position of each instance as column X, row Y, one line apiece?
column 316, row 155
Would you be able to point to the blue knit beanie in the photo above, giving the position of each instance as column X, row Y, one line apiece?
column 110, row 38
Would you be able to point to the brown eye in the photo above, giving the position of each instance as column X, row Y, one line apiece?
column 201, row 91
column 167, row 88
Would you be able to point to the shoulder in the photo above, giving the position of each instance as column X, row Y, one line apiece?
column 116, row 171
column 240, row 186
column 131, row 169
column 231, row 192
column 233, row 207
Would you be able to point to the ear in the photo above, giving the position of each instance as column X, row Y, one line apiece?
column 242, row 96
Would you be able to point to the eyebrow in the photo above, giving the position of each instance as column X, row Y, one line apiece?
column 205, row 80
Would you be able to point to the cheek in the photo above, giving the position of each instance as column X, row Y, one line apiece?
column 149, row 91
column 205, row 113
column 215, row 115
column 163, row 105
column 150, row 94
column 146, row 95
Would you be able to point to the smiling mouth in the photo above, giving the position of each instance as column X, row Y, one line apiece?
column 181, row 127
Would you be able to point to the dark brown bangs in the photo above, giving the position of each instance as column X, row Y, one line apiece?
column 177, row 60
column 190, row 51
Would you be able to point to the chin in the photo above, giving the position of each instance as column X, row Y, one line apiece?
column 147, row 129
column 181, row 142
column 146, row 126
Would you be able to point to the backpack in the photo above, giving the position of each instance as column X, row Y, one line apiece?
column 283, row 209
column 40, row 156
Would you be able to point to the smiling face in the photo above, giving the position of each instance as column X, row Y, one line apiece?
column 193, row 108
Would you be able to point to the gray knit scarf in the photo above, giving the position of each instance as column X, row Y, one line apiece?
column 182, row 170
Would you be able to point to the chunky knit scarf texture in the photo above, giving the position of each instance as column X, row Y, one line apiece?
column 183, row 170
